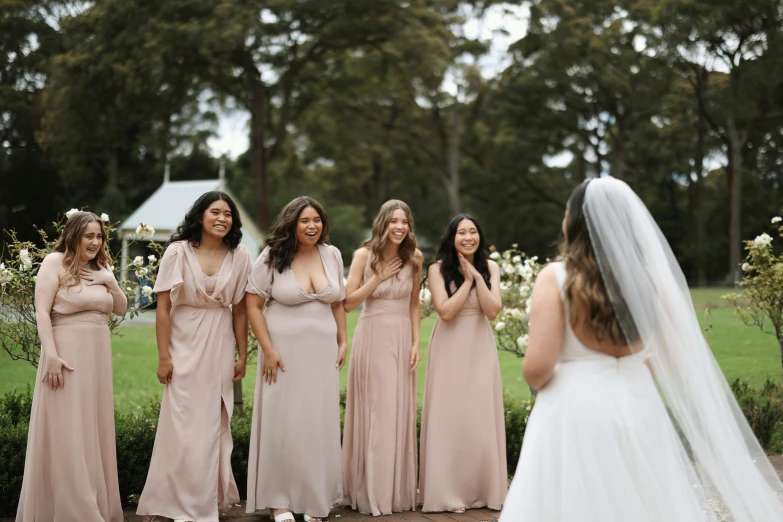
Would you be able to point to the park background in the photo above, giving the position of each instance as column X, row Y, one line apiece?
column 498, row 109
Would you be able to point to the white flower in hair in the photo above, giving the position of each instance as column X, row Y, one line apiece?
column 71, row 212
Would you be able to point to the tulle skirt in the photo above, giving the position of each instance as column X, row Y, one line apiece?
column 600, row 447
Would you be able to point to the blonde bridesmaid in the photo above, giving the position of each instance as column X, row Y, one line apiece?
column 70, row 470
column 294, row 461
column 201, row 320
column 463, row 439
column 379, row 440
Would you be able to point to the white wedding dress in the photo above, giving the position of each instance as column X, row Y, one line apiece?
column 600, row 447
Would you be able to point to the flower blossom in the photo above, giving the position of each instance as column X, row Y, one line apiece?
column 146, row 291
column 777, row 219
column 144, row 230
column 71, row 212
column 763, row 240
column 105, row 217
column 5, row 274
column 27, row 261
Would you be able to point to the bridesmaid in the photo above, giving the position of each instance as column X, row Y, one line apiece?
column 201, row 320
column 463, row 438
column 379, row 441
column 294, row 462
column 70, row 470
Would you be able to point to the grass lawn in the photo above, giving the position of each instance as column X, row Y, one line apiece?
column 742, row 352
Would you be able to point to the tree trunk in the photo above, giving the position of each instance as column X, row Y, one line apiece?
column 618, row 169
column 112, row 171
column 112, row 197
column 736, row 142
column 238, row 401
column 381, row 190
column 697, row 205
column 258, row 158
column 451, row 176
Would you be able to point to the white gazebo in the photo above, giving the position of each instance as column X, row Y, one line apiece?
column 165, row 209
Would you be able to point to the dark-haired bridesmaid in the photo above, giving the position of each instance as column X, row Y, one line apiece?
column 463, row 438
column 201, row 319
column 294, row 462
column 379, row 443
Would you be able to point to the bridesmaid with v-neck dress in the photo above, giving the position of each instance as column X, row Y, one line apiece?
column 201, row 320
column 294, row 463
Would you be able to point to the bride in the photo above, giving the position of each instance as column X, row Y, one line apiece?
column 614, row 344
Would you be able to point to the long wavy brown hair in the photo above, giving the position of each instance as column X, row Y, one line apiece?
column 584, row 282
column 282, row 237
column 380, row 234
column 70, row 244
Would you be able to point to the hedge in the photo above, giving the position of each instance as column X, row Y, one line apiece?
column 136, row 435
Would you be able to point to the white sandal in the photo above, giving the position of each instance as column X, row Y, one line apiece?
column 308, row 518
column 282, row 516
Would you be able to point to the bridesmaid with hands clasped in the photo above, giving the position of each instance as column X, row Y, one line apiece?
column 294, row 461
column 70, row 468
column 201, row 319
column 379, row 440
column 463, row 437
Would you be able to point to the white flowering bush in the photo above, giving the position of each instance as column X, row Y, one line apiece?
column 761, row 301
column 19, row 265
column 518, row 273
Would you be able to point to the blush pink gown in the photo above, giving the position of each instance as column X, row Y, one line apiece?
column 294, row 460
column 70, row 470
column 379, row 440
column 463, row 434
column 190, row 475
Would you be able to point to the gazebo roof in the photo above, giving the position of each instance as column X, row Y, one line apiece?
column 165, row 209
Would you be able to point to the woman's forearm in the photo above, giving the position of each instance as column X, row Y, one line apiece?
column 359, row 295
column 239, row 314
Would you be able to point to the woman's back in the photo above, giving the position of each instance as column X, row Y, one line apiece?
column 579, row 340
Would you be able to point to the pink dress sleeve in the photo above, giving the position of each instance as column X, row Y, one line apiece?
column 261, row 276
column 242, row 265
column 47, row 283
column 340, row 271
column 170, row 271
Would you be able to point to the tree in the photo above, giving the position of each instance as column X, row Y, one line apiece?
column 740, row 46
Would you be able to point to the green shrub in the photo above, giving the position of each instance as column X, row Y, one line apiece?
column 15, row 409
column 517, row 414
column 764, row 411
column 136, row 436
